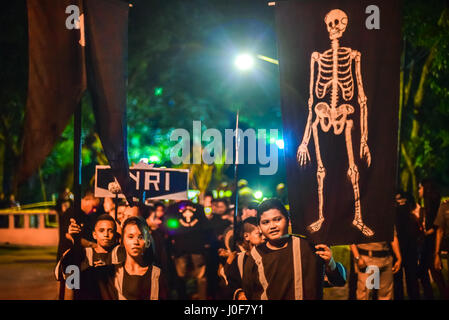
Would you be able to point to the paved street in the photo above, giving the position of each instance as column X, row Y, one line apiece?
column 27, row 273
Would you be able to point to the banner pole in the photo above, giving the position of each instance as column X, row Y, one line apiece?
column 77, row 161
column 401, row 107
column 236, row 189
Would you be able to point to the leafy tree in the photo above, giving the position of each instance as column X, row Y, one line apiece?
column 424, row 100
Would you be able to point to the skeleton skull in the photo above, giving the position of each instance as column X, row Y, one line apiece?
column 336, row 22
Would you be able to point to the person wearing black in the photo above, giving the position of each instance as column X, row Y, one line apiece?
column 442, row 238
column 430, row 198
column 154, row 217
column 87, row 217
column 287, row 267
column 189, row 243
column 219, row 223
column 250, row 236
column 408, row 231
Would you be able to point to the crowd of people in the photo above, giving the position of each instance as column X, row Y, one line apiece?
column 421, row 240
column 184, row 250
column 181, row 250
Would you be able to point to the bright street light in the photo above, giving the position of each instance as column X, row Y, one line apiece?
column 244, row 62
column 280, row 143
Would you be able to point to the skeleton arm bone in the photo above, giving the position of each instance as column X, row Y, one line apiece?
column 302, row 154
column 364, row 150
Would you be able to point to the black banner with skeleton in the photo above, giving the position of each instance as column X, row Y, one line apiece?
column 339, row 69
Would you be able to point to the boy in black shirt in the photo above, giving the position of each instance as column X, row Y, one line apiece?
column 233, row 269
column 287, row 267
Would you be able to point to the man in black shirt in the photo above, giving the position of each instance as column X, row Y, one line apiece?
column 189, row 243
column 287, row 267
column 87, row 217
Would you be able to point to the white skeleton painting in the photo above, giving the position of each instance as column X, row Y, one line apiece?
column 335, row 82
column 188, row 219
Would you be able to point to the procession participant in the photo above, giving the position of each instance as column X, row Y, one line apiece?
column 154, row 216
column 218, row 223
column 430, row 199
column 442, row 237
column 287, row 267
column 233, row 269
column 408, row 230
column 189, row 244
column 85, row 216
column 89, row 205
column 249, row 210
column 64, row 202
column 137, row 277
column 105, row 235
column 154, row 222
column 220, row 220
column 377, row 254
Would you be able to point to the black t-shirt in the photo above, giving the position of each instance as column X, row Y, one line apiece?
column 189, row 238
column 279, row 272
column 278, row 267
column 137, row 287
column 407, row 227
column 104, row 257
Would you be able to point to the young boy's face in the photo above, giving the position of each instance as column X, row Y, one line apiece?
column 104, row 233
column 254, row 237
column 273, row 224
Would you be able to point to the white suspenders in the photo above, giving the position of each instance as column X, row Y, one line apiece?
column 240, row 258
column 90, row 256
column 263, row 281
column 297, row 270
column 155, row 274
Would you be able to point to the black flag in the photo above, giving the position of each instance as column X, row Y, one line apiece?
column 339, row 69
column 64, row 61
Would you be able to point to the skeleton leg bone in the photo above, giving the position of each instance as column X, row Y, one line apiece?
column 353, row 174
column 321, row 173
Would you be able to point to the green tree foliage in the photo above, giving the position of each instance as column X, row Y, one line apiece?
column 187, row 49
column 13, row 77
column 424, row 94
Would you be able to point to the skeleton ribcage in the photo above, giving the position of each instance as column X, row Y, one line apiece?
column 345, row 83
